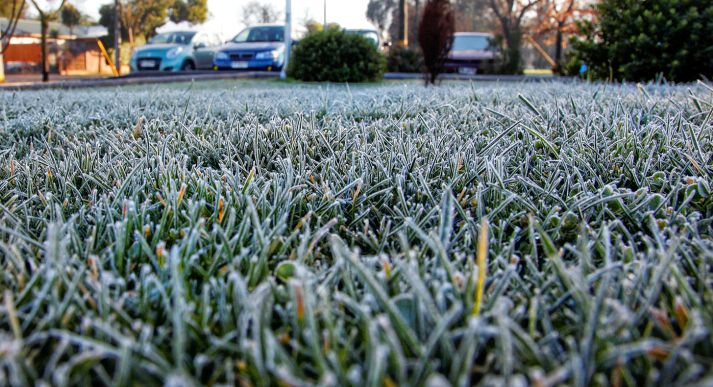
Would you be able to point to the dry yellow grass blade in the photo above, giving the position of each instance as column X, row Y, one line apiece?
column 221, row 209
column 12, row 314
column 482, row 265
column 300, row 303
column 181, row 193
column 136, row 133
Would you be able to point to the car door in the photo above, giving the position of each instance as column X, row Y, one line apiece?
column 202, row 51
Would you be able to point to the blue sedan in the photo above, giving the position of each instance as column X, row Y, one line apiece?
column 255, row 48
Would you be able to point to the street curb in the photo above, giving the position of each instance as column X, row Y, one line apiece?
column 128, row 80
column 482, row 77
column 159, row 78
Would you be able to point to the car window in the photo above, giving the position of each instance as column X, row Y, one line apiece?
column 261, row 34
column 470, row 42
column 371, row 35
column 172, row 37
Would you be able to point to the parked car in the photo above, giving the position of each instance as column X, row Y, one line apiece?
column 176, row 51
column 372, row 35
column 259, row 47
column 470, row 53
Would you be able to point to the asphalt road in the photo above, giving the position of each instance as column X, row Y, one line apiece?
column 32, row 83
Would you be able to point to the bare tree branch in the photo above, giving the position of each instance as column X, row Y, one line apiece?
column 496, row 9
column 11, row 25
column 525, row 8
column 45, row 17
column 45, row 13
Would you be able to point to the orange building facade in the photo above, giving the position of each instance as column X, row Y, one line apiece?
column 71, row 52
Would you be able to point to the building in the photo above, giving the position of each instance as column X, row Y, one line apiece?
column 71, row 52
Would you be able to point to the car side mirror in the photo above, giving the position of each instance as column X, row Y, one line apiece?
column 199, row 45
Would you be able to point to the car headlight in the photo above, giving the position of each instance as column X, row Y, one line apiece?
column 221, row 56
column 274, row 54
column 174, row 52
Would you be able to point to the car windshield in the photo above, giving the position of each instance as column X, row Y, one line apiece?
column 260, row 34
column 470, row 42
column 172, row 37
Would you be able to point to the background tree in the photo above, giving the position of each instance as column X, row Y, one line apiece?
column 510, row 15
column 636, row 40
column 47, row 10
column 385, row 14
column 70, row 17
column 555, row 19
column 473, row 15
column 312, row 25
column 256, row 12
column 435, row 36
column 192, row 11
column 560, row 13
column 137, row 17
column 380, row 13
column 143, row 17
column 106, row 19
column 412, row 24
column 309, row 23
column 12, row 10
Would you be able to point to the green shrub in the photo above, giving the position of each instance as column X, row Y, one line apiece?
column 638, row 40
column 572, row 64
column 509, row 59
column 336, row 56
column 404, row 60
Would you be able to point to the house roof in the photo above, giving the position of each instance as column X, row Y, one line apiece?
column 29, row 27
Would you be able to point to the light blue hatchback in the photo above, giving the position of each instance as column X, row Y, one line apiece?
column 176, row 51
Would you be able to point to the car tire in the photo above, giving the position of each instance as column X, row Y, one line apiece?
column 188, row 66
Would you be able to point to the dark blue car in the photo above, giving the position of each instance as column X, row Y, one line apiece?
column 255, row 48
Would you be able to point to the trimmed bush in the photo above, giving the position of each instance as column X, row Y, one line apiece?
column 636, row 40
column 336, row 56
column 404, row 60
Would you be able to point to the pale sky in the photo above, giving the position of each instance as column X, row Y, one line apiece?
column 224, row 15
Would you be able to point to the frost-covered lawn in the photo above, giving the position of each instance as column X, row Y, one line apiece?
column 261, row 234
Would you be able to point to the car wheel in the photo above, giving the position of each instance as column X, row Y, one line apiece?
column 188, row 66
